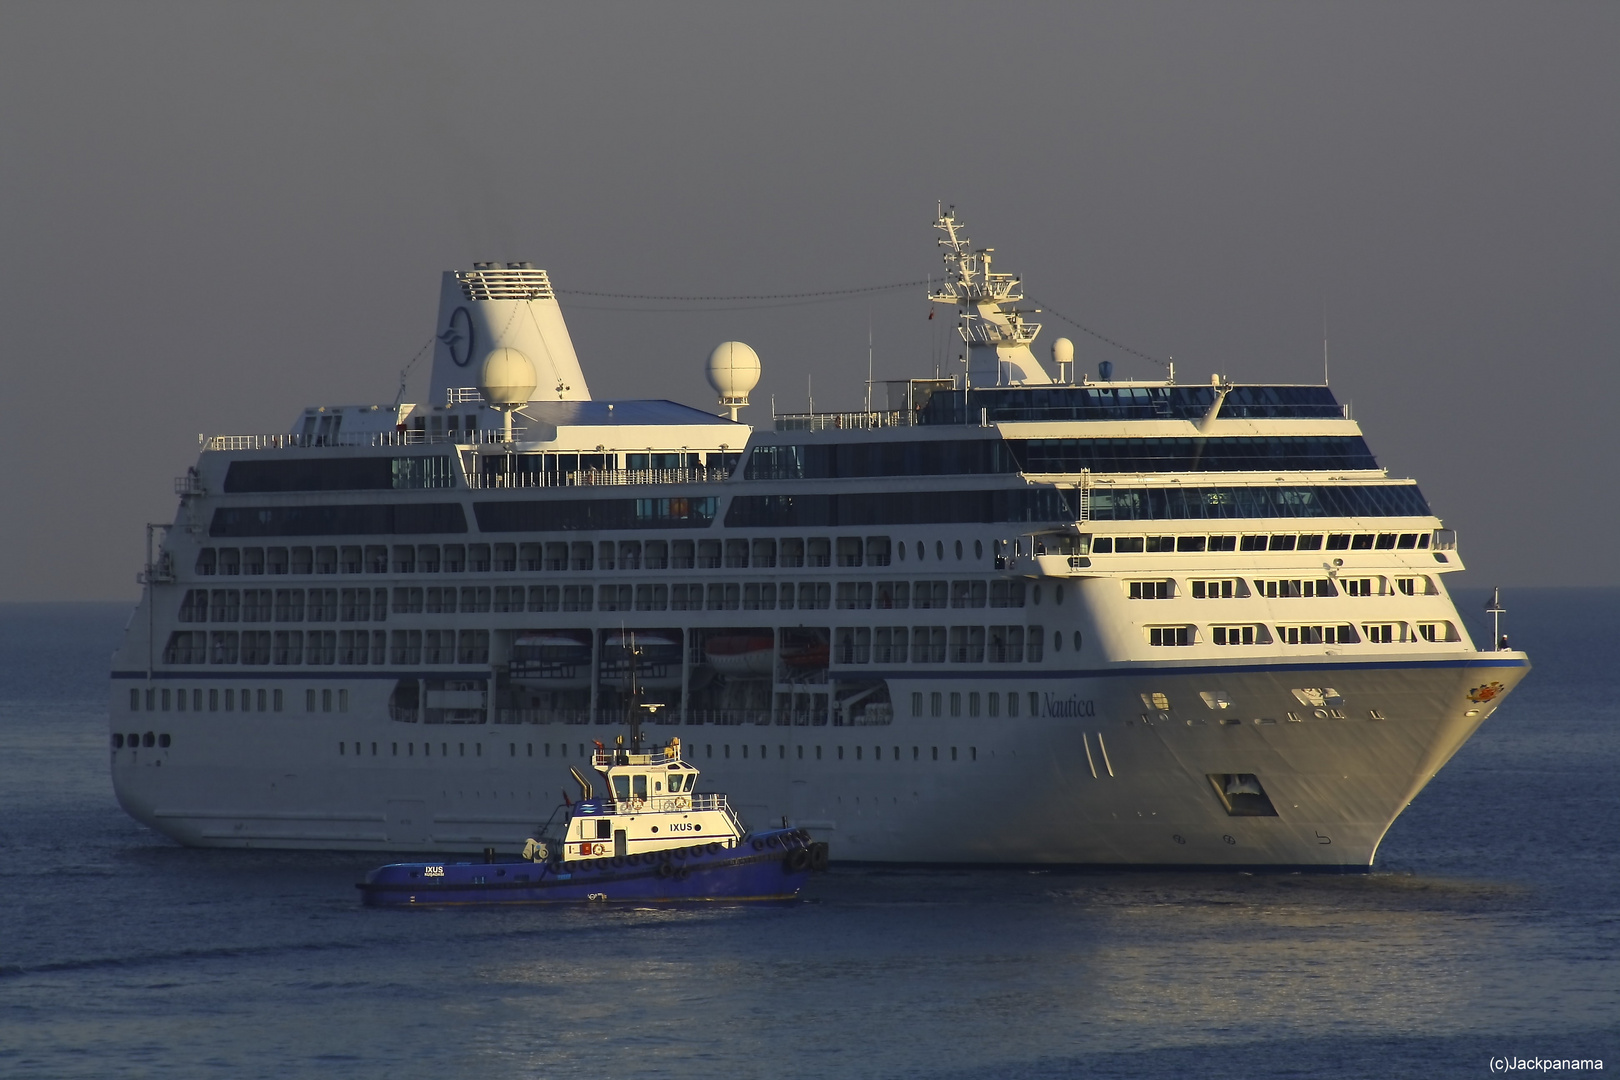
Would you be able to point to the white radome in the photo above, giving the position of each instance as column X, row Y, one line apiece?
column 507, row 378
column 1063, row 351
column 733, row 370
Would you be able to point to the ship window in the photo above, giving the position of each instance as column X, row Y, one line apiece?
column 792, row 551
column 1130, row 544
column 1379, row 633
column 956, row 703
column 1237, row 635
column 921, row 551
column 1283, row 543
column 604, row 828
column 118, row 740
column 1035, row 641
column 1316, row 635
column 973, row 704
column 277, row 701
column 1190, row 543
column 1222, row 589
column 309, row 700
column 708, row 554
column 1156, row 590
column 1012, row 705
column 1170, row 635
column 1386, row 541
column 275, row 561
column 1102, row 545
column 916, row 703
column 1161, row 543
column 936, row 702
column 1361, row 542
column 1223, row 543
column 1253, row 543
column 736, row 554
column 303, row 560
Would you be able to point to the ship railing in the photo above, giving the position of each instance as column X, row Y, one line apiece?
column 702, row 800
column 700, row 474
column 842, row 421
column 408, row 437
column 729, row 717
column 607, row 757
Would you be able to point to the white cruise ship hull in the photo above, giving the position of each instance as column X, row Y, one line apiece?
column 1117, row 784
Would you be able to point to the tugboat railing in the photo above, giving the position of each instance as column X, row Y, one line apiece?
column 703, row 800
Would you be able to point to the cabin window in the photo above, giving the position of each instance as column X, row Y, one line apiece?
column 621, row 787
column 638, row 785
column 604, row 828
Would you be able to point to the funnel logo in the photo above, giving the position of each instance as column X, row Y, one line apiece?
column 458, row 337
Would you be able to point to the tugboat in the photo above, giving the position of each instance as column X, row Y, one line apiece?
column 652, row 839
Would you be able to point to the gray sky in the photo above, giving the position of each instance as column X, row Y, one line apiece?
column 217, row 214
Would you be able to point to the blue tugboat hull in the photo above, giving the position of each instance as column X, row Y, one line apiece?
column 763, row 866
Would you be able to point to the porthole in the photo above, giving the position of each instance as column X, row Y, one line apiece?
column 118, row 741
column 959, row 550
column 1035, row 594
column 149, row 739
column 978, row 549
column 1077, row 641
column 921, row 552
column 1057, row 641
column 163, row 740
column 133, row 739
column 902, row 553
column 939, row 549
column 1057, row 594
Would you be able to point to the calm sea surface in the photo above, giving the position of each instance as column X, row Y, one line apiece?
column 1491, row 926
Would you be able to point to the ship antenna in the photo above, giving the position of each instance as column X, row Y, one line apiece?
column 868, row 359
column 1324, row 344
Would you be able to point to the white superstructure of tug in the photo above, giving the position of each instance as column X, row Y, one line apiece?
column 1011, row 617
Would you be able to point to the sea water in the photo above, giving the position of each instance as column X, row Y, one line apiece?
column 1489, row 928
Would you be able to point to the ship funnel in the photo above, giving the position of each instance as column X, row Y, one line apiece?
column 498, row 307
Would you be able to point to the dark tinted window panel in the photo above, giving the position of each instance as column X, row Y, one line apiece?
column 553, row 515
column 1226, row 454
column 824, row 461
column 340, row 474
column 1126, row 403
column 898, row 508
column 383, row 519
column 1152, row 504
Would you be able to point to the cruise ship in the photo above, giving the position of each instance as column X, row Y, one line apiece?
column 1011, row 613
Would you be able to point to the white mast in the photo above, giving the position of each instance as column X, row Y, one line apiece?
column 996, row 336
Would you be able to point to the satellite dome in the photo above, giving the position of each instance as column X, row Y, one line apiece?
column 733, row 370
column 1063, row 351
column 507, row 378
